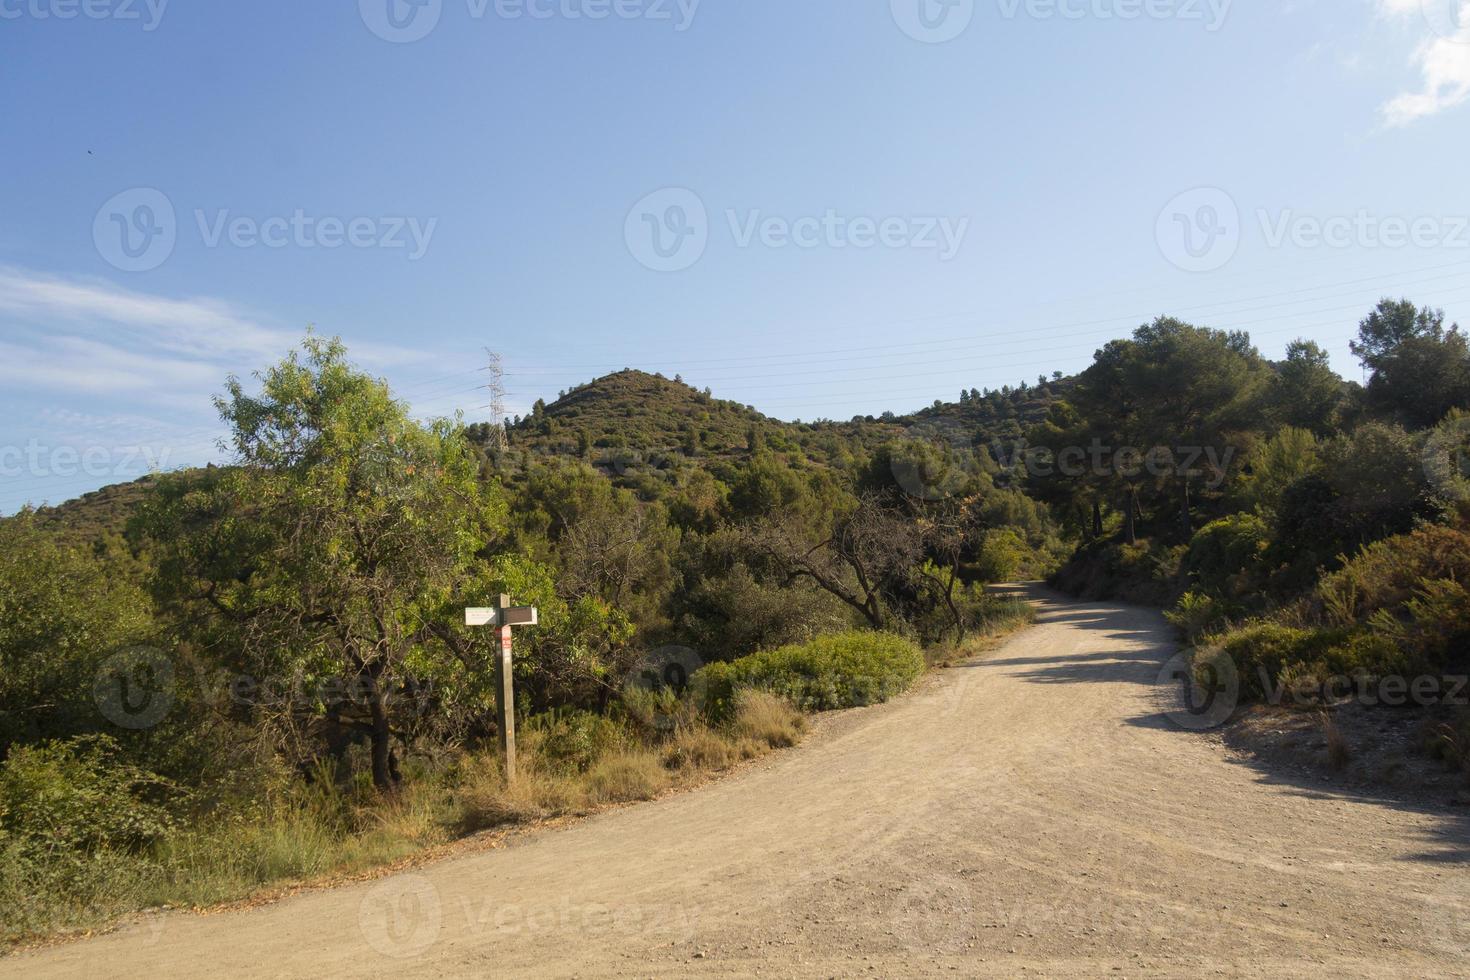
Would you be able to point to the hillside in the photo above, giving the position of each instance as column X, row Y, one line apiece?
column 96, row 520
column 632, row 414
column 632, row 417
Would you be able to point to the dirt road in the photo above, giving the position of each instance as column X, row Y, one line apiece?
column 1034, row 812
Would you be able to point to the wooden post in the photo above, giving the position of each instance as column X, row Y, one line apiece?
column 504, row 617
column 505, row 694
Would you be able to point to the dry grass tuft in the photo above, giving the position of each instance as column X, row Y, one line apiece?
column 627, row 777
column 698, row 747
column 765, row 718
column 486, row 801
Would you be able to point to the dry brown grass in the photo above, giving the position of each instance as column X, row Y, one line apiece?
column 1451, row 742
column 486, row 801
column 700, row 748
column 627, row 777
column 765, row 718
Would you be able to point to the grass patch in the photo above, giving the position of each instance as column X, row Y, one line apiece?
column 764, row 718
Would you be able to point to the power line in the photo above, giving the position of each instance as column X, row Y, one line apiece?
column 1132, row 318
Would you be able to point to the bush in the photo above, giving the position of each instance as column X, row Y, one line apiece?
column 79, row 796
column 1225, row 557
column 1196, row 614
column 1263, row 652
column 841, row 670
column 1270, row 657
column 1386, row 575
column 1002, row 554
column 51, row 644
column 1433, row 628
column 76, row 826
column 572, row 740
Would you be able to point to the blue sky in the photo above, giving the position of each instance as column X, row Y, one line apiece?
column 859, row 205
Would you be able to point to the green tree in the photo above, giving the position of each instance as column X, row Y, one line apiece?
column 340, row 544
column 62, row 614
column 1421, row 368
column 1175, row 387
column 1305, row 392
column 1274, row 465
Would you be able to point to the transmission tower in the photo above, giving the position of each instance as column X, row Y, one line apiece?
column 496, row 387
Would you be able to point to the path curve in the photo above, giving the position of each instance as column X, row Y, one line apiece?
column 1032, row 810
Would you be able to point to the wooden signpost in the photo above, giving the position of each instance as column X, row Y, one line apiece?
column 505, row 617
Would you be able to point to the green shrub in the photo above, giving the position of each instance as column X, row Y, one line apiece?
column 841, row 670
column 1196, row 614
column 1270, row 657
column 80, row 796
column 1002, row 554
column 1263, row 652
column 1433, row 627
column 1225, row 557
column 573, row 740
column 1387, row 575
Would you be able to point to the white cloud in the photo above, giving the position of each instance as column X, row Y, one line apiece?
column 85, row 363
column 92, row 336
column 1443, row 61
column 188, row 329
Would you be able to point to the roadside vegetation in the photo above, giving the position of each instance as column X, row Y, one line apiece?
column 269, row 681
column 1329, row 559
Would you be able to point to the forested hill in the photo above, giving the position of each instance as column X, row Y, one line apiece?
column 634, row 416
column 639, row 413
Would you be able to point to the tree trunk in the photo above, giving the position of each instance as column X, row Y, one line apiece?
column 1184, row 519
column 1130, row 522
column 872, row 610
column 1097, row 528
column 385, row 767
column 954, row 610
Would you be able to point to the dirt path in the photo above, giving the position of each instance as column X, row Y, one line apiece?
column 1033, row 812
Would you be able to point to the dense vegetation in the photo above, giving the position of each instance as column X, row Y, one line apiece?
column 270, row 679
column 1318, row 549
